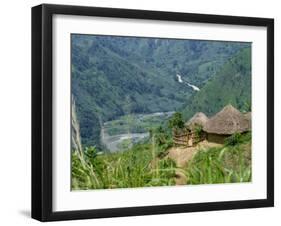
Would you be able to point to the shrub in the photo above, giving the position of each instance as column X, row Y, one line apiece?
column 220, row 165
column 176, row 121
column 233, row 139
column 162, row 139
column 198, row 130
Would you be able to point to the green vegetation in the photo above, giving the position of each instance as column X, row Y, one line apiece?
column 228, row 164
column 176, row 121
column 198, row 130
column 163, row 140
column 147, row 165
column 136, row 167
column 125, row 85
column 116, row 76
column 231, row 85
column 139, row 123
column 233, row 139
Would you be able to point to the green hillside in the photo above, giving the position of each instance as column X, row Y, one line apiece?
column 146, row 165
column 116, row 76
column 231, row 85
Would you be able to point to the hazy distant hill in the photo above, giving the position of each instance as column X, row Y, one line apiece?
column 231, row 85
column 113, row 76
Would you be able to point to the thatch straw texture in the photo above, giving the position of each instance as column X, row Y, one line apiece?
column 228, row 121
column 199, row 118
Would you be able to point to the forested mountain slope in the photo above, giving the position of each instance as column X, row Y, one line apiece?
column 114, row 76
column 231, row 85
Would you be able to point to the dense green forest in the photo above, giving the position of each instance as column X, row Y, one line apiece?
column 230, row 85
column 116, row 76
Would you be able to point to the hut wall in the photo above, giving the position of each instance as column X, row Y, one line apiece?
column 188, row 139
column 181, row 139
column 216, row 138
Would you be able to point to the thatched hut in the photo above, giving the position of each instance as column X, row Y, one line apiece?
column 188, row 136
column 225, row 123
column 198, row 119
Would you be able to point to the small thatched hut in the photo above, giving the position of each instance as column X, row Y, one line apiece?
column 225, row 123
column 188, row 136
column 198, row 119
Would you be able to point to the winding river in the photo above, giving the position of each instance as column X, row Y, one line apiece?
column 114, row 142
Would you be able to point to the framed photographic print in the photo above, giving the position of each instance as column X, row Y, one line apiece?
column 145, row 112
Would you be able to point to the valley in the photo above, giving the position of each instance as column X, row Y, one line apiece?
column 134, row 99
column 115, row 76
column 122, row 133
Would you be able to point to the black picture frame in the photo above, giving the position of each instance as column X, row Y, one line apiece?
column 42, row 111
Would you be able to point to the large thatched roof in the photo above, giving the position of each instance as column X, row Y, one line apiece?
column 199, row 118
column 228, row 121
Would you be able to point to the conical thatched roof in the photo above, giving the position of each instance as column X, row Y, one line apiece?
column 228, row 121
column 199, row 118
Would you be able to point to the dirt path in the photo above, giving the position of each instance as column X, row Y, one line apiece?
column 182, row 155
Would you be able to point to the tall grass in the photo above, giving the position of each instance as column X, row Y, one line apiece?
column 137, row 167
column 81, row 168
column 141, row 166
column 228, row 164
column 144, row 165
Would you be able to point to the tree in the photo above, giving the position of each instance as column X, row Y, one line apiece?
column 176, row 121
